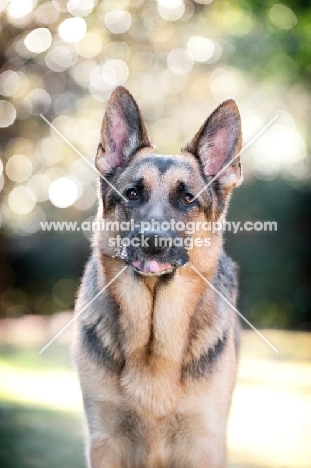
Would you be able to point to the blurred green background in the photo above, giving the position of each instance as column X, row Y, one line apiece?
column 180, row 59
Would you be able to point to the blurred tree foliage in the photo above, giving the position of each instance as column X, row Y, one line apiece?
column 62, row 58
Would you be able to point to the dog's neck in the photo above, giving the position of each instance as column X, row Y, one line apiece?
column 154, row 320
column 152, row 283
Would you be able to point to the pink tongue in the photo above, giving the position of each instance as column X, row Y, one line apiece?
column 151, row 266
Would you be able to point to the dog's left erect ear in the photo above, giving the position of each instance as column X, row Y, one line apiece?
column 218, row 142
column 123, row 131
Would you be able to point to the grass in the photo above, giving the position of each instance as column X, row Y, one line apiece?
column 270, row 421
column 40, row 409
column 32, row 437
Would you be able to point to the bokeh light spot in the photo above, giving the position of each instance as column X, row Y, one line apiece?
column 170, row 4
column 7, row 114
column 40, row 184
column 38, row 40
column 72, row 29
column 237, row 21
column 282, row 16
column 64, row 292
column 19, row 8
column 9, row 83
column 87, row 199
column 22, row 200
column 171, row 10
column 90, row 45
column 106, row 76
column 80, row 7
column 118, row 21
column 60, row 5
column 63, row 192
column 200, row 48
column 46, row 13
column 39, row 101
column 223, row 83
column 179, row 61
column 81, row 71
column 51, row 150
column 115, row 72
column 59, row 58
column 18, row 168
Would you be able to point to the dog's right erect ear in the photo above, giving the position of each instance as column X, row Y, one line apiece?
column 218, row 143
column 123, row 131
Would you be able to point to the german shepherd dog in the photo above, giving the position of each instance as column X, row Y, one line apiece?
column 156, row 347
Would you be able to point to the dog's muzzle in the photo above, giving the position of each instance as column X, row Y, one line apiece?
column 155, row 254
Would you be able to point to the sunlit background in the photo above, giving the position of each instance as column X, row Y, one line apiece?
column 180, row 59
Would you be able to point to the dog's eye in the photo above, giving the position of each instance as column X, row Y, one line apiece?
column 187, row 198
column 131, row 194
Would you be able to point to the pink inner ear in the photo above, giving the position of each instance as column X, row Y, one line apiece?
column 117, row 132
column 215, row 151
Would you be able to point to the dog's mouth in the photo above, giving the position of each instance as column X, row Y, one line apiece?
column 151, row 267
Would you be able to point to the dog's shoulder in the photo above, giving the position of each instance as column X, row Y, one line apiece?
column 210, row 331
column 88, row 286
column 226, row 281
column 98, row 322
column 225, row 278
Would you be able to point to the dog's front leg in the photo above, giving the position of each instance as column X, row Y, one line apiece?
column 99, row 455
column 114, row 438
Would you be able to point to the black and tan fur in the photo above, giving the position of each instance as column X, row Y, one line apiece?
column 157, row 354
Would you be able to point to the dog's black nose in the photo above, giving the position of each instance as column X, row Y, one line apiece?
column 155, row 242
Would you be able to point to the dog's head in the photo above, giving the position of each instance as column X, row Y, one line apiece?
column 156, row 205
